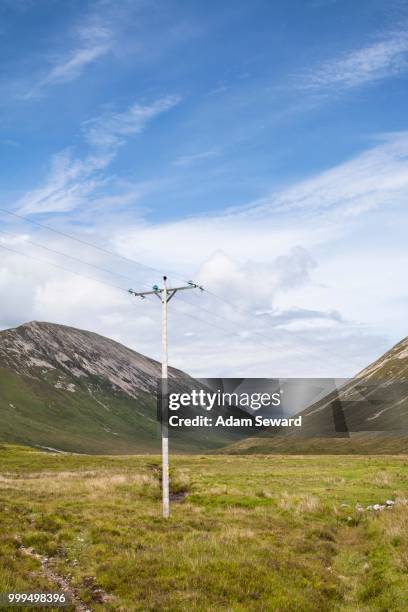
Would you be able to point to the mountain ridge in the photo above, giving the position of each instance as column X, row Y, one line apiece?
column 54, row 346
column 387, row 365
column 369, row 414
column 77, row 391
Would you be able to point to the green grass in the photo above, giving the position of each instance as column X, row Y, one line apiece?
column 36, row 413
column 251, row 532
column 365, row 443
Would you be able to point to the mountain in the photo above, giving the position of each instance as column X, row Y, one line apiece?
column 393, row 365
column 72, row 390
column 368, row 414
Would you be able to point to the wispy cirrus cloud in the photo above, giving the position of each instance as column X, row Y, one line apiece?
column 73, row 182
column 374, row 178
column 307, row 280
column 111, row 129
column 69, row 183
column 311, row 212
column 189, row 160
column 93, row 40
column 384, row 58
column 316, row 271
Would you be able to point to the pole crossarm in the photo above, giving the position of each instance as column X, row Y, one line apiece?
column 171, row 291
column 165, row 294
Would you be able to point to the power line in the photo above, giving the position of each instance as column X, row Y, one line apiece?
column 77, row 259
column 234, row 333
column 234, row 307
column 123, row 289
column 261, row 336
column 108, row 252
column 50, row 263
column 47, row 262
column 245, row 312
column 81, row 241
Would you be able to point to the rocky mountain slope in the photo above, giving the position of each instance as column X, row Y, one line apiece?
column 73, row 390
column 67, row 356
column 375, row 401
column 393, row 365
column 367, row 414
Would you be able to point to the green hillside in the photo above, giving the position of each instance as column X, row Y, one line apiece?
column 75, row 391
column 35, row 413
column 368, row 415
column 71, row 390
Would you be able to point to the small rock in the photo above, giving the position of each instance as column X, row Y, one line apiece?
column 389, row 502
column 344, row 505
column 378, row 507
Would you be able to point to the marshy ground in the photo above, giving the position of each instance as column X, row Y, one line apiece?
column 252, row 532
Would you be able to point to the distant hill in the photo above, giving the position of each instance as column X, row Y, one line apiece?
column 369, row 414
column 72, row 390
column 393, row 365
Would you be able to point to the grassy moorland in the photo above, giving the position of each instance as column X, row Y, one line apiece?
column 359, row 444
column 246, row 532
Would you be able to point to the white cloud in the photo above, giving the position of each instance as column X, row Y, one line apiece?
column 312, row 213
column 292, row 261
column 381, row 59
column 93, row 41
column 316, row 290
column 75, row 182
column 70, row 182
column 254, row 284
column 189, row 160
column 73, row 66
column 110, row 129
column 377, row 177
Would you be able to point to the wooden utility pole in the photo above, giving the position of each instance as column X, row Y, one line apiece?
column 165, row 294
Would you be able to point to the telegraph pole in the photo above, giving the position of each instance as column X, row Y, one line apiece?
column 165, row 294
column 164, row 406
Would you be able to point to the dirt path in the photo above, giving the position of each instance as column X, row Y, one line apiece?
column 54, row 578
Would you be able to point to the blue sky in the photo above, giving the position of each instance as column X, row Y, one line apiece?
column 261, row 145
